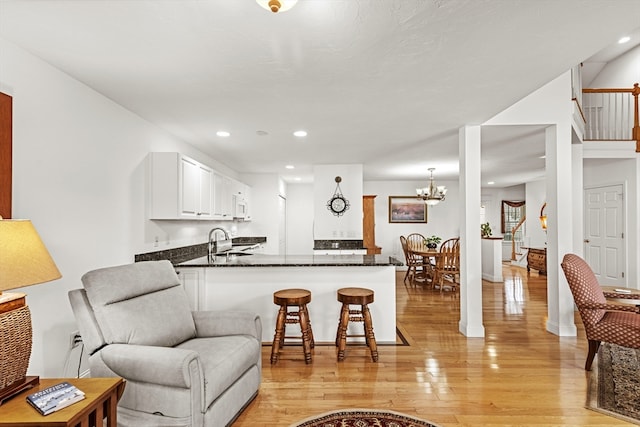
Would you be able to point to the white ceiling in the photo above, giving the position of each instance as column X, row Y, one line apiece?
column 385, row 83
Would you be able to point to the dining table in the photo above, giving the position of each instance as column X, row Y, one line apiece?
column 430, row 259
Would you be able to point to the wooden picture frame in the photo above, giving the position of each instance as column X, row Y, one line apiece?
column 407, row 209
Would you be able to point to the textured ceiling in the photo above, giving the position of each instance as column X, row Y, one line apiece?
column 385, row 83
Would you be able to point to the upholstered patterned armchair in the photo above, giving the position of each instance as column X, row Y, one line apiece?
column 182, row 368
column 603, row 320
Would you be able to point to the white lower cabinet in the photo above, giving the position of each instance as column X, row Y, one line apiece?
column 192, row 280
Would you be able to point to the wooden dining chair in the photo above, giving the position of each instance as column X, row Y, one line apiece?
column 415, row 240
column 448, row 264
column 414, row 263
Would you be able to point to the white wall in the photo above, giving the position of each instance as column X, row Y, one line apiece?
column 491, row 199
column 443, row 219
column 326, row 225
column 622, row 72
column 265, row 192
column 300, row 211
column 79, row 175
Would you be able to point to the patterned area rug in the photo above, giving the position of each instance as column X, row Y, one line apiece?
column 363, row 418
column 614, row 383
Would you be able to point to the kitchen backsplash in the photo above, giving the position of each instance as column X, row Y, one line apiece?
column 337, row 244
column 186, row 253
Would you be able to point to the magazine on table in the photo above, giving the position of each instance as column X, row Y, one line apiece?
column 56, row 397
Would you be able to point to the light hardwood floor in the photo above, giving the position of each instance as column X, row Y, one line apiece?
column 518, row 375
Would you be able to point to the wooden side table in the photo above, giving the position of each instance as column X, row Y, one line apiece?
column 537, row 259
column 100, row 402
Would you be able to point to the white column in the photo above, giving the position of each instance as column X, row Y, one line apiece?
column 470, row 249
column 560, row 212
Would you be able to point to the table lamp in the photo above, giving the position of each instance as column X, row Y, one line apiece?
column 24, row 261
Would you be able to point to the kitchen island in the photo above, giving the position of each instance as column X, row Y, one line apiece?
column 248, row 283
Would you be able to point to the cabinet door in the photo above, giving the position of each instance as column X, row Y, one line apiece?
column 205, row 196
column 222, row 197
column 191, row 279
column 189, row 187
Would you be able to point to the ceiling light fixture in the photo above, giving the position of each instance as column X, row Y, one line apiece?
column 300, row 133
column 276, row 6
column 624, row 40
column 290, row 167
column 433, row 194
column 223, row 133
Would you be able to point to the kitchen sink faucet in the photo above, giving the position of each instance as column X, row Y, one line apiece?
column 213, row 243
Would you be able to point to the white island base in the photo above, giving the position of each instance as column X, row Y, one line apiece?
column 252, row 288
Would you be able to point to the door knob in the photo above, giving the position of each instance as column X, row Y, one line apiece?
column 586, row 240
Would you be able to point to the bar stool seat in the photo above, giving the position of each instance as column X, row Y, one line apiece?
column 361, row 297
column 286, row 298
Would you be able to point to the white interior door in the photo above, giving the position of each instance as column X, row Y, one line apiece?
column 604, row 248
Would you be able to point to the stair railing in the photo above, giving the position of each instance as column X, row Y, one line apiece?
column 513, row 238
column 612, row 114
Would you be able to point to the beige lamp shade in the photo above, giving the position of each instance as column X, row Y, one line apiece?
column 24, row 260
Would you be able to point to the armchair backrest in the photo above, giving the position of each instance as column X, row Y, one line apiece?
column 584, row 287
column 141, row 303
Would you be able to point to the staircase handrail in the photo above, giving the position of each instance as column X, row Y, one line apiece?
column 635, row 91
column 513, row 234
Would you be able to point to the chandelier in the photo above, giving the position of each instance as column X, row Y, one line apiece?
column 432, row 195
column 276, row 6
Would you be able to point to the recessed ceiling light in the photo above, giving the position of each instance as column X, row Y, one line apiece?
column 297, row 178
column 290, row 167
column 491, row 182
column 300, row 133
column 223, row 133
column 624, row 40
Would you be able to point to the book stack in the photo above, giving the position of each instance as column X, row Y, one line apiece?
column 54, row 398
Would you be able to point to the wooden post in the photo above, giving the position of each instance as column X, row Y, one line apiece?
column 636, row 120
column 6, row 119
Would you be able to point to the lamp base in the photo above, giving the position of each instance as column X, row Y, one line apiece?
column 18, row 387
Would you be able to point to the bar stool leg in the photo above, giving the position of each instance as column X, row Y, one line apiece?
column 306, row 313
column 368, row 332
column 279, row 334
column 306, row 339
column 342, row 331
column 344, row 307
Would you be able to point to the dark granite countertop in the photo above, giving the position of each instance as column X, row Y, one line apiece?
column 261, row 260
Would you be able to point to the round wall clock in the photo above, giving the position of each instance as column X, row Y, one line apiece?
column 338, row 204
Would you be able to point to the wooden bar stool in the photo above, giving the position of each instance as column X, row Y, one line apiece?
column 286, row 298
column 361, row 297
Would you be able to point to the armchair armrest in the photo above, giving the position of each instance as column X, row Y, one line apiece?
column 611, row 307
column 221, row 323
column 156, row 365
column 618, row 295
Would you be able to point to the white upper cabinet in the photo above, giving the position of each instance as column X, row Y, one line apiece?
column 222, row 193
column 179, row 187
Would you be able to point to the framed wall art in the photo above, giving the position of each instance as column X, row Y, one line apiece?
column 407, row 209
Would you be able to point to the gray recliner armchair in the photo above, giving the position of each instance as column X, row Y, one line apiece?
column 182, row 368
